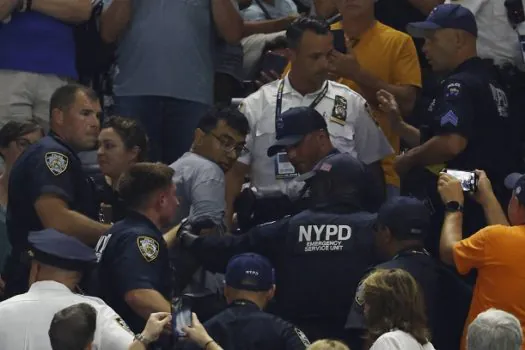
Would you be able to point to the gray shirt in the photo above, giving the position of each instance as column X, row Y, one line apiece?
column 200, row 187
column 168, row 50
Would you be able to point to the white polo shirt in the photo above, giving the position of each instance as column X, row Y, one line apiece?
column 25, row 319
column 350, row 125
column 497, row 40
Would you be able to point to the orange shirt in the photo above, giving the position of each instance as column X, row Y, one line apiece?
column 391, row 56
column 497, row 252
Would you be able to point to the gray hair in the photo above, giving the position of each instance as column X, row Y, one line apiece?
column 495, row 330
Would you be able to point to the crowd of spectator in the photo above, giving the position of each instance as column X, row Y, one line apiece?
column 262, row 174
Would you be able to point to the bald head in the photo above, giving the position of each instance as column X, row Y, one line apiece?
column 447, row 48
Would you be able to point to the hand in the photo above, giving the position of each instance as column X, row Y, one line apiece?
column 197, row 333
column 402, row 164
column 267, row 77
column 449, row 189
column 388, row 105
column 155, row 325
column 484, row 191
column 344, row 65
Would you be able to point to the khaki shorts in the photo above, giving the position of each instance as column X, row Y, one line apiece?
column 26, row 96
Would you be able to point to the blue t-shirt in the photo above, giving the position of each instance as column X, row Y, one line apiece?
column 37, row 43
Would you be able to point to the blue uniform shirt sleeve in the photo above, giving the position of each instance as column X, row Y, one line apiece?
column 53, row 174
column 214, row 252
column 457, row 113
column 138, row 265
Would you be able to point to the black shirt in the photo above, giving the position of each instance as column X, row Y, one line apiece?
column 105, row 194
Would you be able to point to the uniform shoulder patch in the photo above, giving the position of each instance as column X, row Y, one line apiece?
column 148, row 247
column 302, row 336
column 339, row 110
column 453, row 89
column 123, row 324
column 56, row 162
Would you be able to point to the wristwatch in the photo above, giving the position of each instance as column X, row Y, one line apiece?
column 453, row 207
column 141, row 338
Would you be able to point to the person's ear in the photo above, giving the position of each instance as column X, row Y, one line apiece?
column 57, row 116
column 198, row 136
column 134, row 154
column 271, row 292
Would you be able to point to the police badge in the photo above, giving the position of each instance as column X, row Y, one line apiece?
column 148, row 247
column 339, row 110
column 56, row 162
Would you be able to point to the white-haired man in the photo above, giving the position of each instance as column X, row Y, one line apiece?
column 495, row 330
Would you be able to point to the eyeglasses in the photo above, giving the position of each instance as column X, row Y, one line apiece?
column 229, row 145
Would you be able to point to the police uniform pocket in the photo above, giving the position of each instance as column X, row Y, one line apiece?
column 343, row 137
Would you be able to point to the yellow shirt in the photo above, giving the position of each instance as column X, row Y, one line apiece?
column 391, row 56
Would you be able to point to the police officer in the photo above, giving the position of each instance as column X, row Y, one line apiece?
column 58, row 264
column 47, row 186
column 250, row 285
column 402, row 224
column 134, row 269
column 319, row 254
column 466, row 125
column 349, row 123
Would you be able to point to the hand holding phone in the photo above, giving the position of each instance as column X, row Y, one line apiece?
column 181, row 316
column 339, row 40
column 468, row 179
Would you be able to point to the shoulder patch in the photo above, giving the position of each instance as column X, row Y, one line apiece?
column 302, row 336
column 453, row 89
column 56, row 162
column 148, row 247
column 449, row 118
column 123, row 324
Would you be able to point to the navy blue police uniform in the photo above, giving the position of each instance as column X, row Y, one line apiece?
column 471, row 103
column 319, row 254
column 48, row 167
column 243, row 325
column 447, row 298
column 133, row 255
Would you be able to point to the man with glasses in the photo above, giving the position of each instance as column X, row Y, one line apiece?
column 199, row 176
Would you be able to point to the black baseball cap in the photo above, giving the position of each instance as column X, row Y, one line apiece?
column 293, row 125
column 445, row 16
column 516, row 183
column 250, row 271
column 339, row 166
column 406, row 217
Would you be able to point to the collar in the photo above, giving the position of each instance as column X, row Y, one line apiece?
column 58, row 139
column 471, row 62
column 243, row 303
column 140, row 218
column 288, row 88
column 411, row 251
column 52, row 286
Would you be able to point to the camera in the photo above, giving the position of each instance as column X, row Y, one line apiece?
column 469, row 179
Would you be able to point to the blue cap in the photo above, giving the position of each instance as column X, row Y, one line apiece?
column 293, row 125
column 56, row 249
column 445, row 16
column 339, row 167
column 251, row 272
column 516, row 183
column 406, row 217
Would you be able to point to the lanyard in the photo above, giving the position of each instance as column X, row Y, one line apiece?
column 279, row 102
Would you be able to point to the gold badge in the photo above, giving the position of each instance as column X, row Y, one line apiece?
column 56, row 162
column 339, row 110
column 148, row 247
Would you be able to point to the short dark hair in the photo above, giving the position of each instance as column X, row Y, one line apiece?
column 295, row 32
column 141, row 180
column 73, row 328
column 132, row 134
column 13, row 130
column 231, row 116
column 65, row 96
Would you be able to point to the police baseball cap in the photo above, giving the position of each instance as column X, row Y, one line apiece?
column 445, row 16
column 516, row 183
column 251, row 272
column 406, row 217
column 57, row 249
column 340, row 166
column 293, row 125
